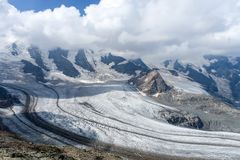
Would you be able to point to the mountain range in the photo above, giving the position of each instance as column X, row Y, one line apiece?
column 219, row 75
column 100, row 98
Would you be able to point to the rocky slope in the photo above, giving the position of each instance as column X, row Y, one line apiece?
column 13, row 148
column 196, row 109
column 215, row 114
column 150, row 83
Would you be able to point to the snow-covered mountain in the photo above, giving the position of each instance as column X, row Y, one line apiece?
column 81, row 64
column 219, row 75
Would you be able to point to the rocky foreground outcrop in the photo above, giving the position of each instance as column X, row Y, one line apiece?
column 13, row 148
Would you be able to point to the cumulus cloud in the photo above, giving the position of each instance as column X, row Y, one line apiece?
column 152, row 29
column 50, row 28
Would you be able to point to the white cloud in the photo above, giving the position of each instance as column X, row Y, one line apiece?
column 153, row 29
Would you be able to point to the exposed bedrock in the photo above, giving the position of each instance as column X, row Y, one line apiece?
column 182, row 119
column 150, row 83
column 6, row 99
column 214, row 114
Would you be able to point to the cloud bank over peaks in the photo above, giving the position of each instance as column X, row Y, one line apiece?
column 152, row 29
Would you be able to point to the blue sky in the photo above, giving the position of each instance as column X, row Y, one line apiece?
column 39, row 5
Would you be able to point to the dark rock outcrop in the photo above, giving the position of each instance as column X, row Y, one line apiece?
column 3, row 93
column 35, row 53
column 14, row 49
column 6, row 99
column 128, row 68
column 124, row 66
column 223, row 68
column 173, row 72
column 138, row 62
column 59, row 57
column 206, row 81
column 34, row 70
column 219, row 69
column 107, row 59
column 182, row 119
column 82, row 61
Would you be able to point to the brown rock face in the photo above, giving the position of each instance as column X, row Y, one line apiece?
column 150, row 83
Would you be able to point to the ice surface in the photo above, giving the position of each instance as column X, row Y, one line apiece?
column 182, row 83
column 114, row 113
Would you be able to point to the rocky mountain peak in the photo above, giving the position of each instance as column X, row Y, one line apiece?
column 150, row 83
